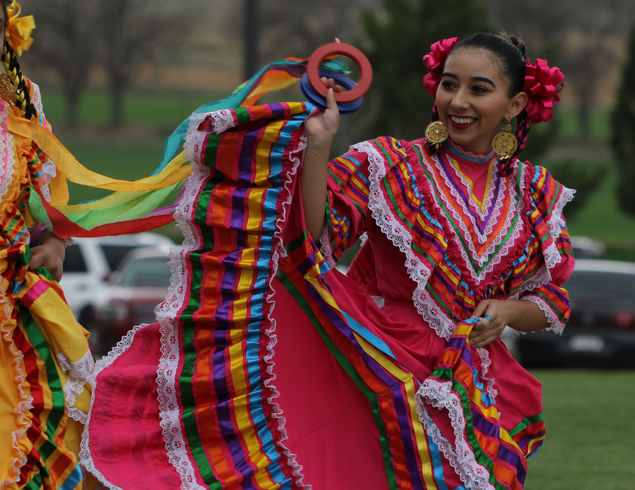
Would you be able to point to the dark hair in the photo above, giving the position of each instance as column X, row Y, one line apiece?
column 10, row 62
column 510, row 51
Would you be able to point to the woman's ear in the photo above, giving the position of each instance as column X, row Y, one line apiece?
column 516, row 105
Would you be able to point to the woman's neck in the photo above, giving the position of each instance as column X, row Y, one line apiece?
column 466, row 156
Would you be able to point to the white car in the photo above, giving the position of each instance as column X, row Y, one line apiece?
column 89, row 262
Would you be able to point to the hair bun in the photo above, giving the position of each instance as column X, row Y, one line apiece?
column 516, row 41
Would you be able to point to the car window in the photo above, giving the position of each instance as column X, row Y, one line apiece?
column 151, row 271
column 74, row 260
column 600, row 284
column 115, row 253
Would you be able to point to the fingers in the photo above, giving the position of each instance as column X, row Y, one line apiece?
column 483, row 332
column 480, row 309
column 330, row 100
column 42, row 258
column 330, row 83
column 37, row 260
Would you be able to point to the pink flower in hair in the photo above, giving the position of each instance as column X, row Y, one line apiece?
column 434, row 62
column 542, row 85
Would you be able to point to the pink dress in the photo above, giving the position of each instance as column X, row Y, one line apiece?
column 269, row 368
column 459, row 232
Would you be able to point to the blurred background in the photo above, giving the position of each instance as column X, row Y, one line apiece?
column 118, row 76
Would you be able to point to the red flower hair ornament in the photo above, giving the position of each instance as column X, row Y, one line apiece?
column 434, row 62
column 542, row 82
column 542, row 85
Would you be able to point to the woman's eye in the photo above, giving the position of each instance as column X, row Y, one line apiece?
column 478, row 89
column 447, row 84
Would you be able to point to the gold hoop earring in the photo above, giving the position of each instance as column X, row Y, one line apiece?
column 7, row 90
column 505, row 143
column 436, row 133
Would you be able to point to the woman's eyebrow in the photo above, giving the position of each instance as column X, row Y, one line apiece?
column 484, row 79
column 474, row 79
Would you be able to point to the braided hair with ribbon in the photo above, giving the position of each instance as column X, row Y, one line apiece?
column 538, row 80
column 17, row 40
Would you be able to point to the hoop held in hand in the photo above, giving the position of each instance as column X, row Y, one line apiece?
column 315, row 90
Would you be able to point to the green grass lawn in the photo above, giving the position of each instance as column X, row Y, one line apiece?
column 162, row 109
column 590, row 429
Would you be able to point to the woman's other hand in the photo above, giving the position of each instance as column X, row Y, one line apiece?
column 50, row 254
column 496, row 314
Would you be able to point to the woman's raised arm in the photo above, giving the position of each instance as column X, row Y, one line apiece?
column 321, row 129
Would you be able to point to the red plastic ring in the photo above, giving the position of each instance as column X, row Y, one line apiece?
column 365, row 70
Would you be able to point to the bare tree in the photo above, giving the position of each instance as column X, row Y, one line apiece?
column 299, row 27
column 131, row 33
column 65, row 45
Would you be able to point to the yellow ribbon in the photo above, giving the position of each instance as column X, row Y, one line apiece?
column 19, row 29
column 69, row 168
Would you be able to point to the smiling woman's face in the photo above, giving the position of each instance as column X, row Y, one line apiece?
column 473, row 98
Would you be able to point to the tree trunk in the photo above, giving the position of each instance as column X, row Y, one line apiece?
column 116, row 105
column 72, row 106
column 584, row 118
column 250, row 37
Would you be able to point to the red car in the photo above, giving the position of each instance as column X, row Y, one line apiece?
column 130, row 296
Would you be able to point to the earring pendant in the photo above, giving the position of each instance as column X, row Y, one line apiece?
column 436, row 133
column 7, row 90
column 505, row 143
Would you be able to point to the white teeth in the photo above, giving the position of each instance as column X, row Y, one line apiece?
column 463, row 120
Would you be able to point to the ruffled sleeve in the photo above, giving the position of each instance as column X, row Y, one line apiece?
column 546, row 201
column 347, row 213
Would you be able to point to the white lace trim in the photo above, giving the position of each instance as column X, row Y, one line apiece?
column 166, row 313
column 555, row 224
column 85, row 454
column 402, row 239
column 195, row 139
column 7, row 151
column 80, row 374
column 490, row 382
column 48, row 166
column 25, row 400
column 555, row 325
column 506, row 188
column 460, row 455
column 50, row 171
column 36, row 99
column 277, row 412
column 325, row 248
column 539, row 279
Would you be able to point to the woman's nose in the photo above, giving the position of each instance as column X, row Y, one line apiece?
column 460, row 99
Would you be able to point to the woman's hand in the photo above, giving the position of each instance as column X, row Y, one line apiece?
column 494, row 317
column 50, row 254
column 321, row 127
column 496, row 314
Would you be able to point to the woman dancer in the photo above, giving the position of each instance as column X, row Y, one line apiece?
column 268, row 368
column 45, row 361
